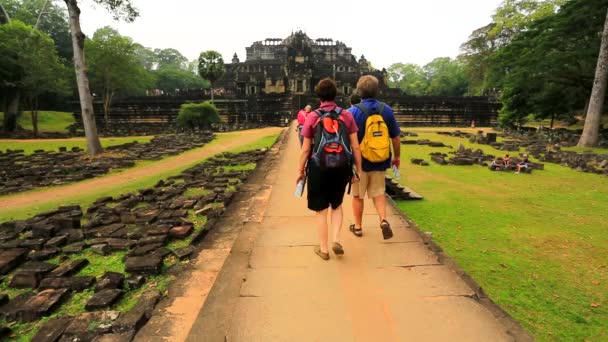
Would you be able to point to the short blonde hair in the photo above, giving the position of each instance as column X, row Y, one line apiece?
column 367, row 86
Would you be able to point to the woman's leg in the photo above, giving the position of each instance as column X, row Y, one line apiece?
column 322, row 230
column 336, row 222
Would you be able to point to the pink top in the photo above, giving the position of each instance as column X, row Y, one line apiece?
column 308, row 131
column 302, row 114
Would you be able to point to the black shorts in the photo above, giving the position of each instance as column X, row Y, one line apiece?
column 326, row 187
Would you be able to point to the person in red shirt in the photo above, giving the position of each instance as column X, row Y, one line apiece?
column 302, row 114
column 326, row 187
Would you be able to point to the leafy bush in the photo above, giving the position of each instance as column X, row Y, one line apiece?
column 197, row 115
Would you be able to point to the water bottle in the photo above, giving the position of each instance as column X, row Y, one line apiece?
column 396, row 172
column 299, row 188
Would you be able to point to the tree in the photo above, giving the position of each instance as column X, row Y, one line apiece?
column 29, row 67
column 445, row 77
column 590, row 134
column 147, row 57
column 53, row 21
column 115, row 67
column 170, row 58
column 408, row 77
column 120, row 9
column 548, row 68
column 197, row 115
column 170, row 79
column 211, row 67
column 511, row 18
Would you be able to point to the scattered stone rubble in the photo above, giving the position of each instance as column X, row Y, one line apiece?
column 19, row 172
column 44, row 254
column 540, row 146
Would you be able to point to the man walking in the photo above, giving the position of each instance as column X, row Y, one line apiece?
column 378, row 129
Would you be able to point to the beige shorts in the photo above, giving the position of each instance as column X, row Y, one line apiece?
column 371, row 183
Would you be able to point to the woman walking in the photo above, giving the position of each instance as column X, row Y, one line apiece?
column 328, row 170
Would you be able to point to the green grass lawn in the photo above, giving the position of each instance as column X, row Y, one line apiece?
column 29, row 146
column 86, row 199
column 537, row 244
column 48, row 121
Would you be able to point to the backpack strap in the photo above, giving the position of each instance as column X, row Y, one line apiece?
column 367, row 111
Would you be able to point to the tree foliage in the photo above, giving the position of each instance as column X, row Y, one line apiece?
column 441, row 77
column 511, row 18
column 408, row 77
column 211, row 67
column 197, row 115
column 53, row 22
column 29, row 63
column 114, row 66
column 548, row 69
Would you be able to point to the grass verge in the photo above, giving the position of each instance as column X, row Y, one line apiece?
column 29, row 146
column 48, row 121
column 537, row 244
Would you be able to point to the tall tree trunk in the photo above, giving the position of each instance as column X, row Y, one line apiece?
column 107, row 103
column 35, row 116
column 211, row 92
column 12, row 110
column 591, row 129
column 86, row 101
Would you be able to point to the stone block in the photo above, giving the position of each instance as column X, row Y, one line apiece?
column 74, row 248
column 126, row 336
column 153, row 240
column 134, row 281
column 184, row 253
column 29, row 308
column 69, row 268
column 57, row 241
column 127, row 218
column 181, row 232
column 144, row 264
column 30, row 274
column 139, row 314
column 144, row 250
column 3, row 298
column 52, row 330
column 77, row 284
column 103, row 299
column 33, row 243
column 43, row 230
column 11, row 258
column 101, row 249
column 80, row 329
column 158, row 230
column 110, row 280
column 43, row 254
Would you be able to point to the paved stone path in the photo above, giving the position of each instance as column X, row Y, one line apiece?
column 273, row 287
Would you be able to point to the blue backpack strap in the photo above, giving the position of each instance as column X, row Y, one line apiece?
column 363, row 109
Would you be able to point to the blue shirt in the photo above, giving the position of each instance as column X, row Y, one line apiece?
column 373, row 105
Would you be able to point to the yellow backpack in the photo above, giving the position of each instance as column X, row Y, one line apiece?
column 376, row 144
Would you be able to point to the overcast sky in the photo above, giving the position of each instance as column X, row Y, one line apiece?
column 386, row 32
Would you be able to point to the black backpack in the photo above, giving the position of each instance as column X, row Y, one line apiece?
column 331, row 144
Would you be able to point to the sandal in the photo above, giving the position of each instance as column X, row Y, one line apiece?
column 387, row 232
column 337, row 248
column 322, row 255
column 357, row 231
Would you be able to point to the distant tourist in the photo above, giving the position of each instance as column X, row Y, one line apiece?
column 496, row 164
column 302, row 114
column 506, row 160
column 330, row 167
column 377, row 130
column 523, row 164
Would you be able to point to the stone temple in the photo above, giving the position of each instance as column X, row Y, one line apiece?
column 277, row 78
column 295, row 65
